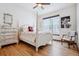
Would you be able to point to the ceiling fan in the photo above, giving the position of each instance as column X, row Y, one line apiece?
column 40, row 5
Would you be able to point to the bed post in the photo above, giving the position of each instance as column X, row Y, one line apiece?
column 36, row 31
column 36, row 49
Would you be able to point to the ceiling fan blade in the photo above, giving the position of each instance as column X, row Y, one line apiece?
column 45, row 3
column 35, row 6
column 40, row 5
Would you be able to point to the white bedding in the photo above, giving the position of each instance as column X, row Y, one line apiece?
column 28, row 36
column 37, row 40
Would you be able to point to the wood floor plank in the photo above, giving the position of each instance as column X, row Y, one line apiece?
column 24, row 49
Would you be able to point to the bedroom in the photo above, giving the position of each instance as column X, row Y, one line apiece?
column 23, row 18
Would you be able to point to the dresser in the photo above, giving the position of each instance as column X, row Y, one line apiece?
column 8, row 36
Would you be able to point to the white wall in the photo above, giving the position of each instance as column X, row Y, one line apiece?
column 70, row 11
column 78, row 22
column 7, row 8
column 20, row 15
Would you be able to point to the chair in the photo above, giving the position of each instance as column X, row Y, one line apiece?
column 70, row 38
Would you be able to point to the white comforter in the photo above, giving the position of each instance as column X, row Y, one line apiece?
column 42, row 38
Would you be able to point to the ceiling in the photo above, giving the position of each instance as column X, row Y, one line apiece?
column 48, row 8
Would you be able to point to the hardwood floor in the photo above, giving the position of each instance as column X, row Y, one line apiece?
column 24, row 49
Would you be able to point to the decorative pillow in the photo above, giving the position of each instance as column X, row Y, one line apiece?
column 24, row 28
column 30, row 29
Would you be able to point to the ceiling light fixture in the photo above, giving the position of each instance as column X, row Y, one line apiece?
column 40, row 5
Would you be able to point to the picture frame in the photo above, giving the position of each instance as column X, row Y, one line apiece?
column 8, row 19
column 65, row 22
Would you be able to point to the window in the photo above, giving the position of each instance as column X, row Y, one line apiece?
column 53, row 24
column 55, row 21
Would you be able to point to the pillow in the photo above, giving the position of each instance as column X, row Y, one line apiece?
column 30, row 28
column 23, row 28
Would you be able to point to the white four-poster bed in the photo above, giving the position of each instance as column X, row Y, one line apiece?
column 38, row 38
